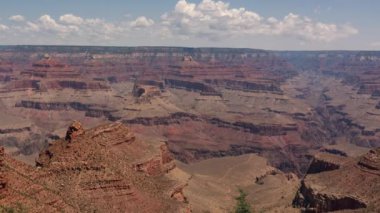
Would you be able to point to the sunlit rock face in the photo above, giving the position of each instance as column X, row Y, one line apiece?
column 94, row 169
column 205, row 102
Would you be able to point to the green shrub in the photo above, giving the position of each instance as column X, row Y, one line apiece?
column 19, row 208
column 242, row 205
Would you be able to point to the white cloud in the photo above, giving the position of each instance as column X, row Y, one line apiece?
column 217, row 20
column 71, row 19
column 187, row 24
column 17, row 18
column 3, row 27
column 47, row 23
column 30, row 26
column 142, row 22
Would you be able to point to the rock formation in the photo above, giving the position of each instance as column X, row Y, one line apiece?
column 371, row 161
column 94, row 170
column 353, row 185
column 3, row 180
column 74, row 130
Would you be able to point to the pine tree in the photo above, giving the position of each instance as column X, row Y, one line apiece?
column 242, row 205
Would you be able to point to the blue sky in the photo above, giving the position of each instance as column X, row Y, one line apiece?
column 266, row 24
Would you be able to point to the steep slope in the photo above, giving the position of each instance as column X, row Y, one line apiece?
column 100, row 169
column 351, row 184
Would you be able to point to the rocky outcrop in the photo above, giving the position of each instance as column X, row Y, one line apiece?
column 14, row 130
column 178, row 194
column 91, row 110
column 334, row 152
column 313, row 201
column 351, row 185
column 53, row 105
column 19, row 85
column 371, row 161
column 98, row 166
column 74, row 130
column 144, row 93
column 192, row 86
column 245, row 85
column 3, row 181
column 323, row 162
column 162, row 163
column 77, row 85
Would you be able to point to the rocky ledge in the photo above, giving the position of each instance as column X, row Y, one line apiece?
column 325, row 162
column 371, row 161
column 349, row 184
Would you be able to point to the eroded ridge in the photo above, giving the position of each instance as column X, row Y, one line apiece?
column 353, row 183
column 95, row 170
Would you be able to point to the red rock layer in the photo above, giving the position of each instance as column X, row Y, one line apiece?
column 94, row 170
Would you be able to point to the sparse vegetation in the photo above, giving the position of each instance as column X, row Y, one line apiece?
column 18, row 208
column 242, row 205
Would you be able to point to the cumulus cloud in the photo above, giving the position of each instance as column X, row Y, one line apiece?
column 68, row 27
column 217, row 20
column 71, row 19
column 3, row 27
column 17, row 18
column 48, row 24
column 142, row 22
column 208, row 20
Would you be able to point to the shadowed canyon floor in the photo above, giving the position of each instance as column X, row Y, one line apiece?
column 263, row 115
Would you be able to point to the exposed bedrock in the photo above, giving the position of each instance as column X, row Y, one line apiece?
column 158, row 84
column 176, row 118
column 74, row 130
column 323, row 163
column 371, row 161
column 161, row 163
column 3, row 180
column 246, row 85
column 14, row 130
column 334, row 152
column 192, row 86
column 211, row 137
column 356, row 68
column 329, row 122
column 335, row 183
column 312, row 201
column 78, row 85
column 97, row 166
column 91, row 110
column 22, row 85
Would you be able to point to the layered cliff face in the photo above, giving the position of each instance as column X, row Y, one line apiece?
column 50, row 86
column 341, row 183
column 227, row 116
column 97, row 169
column 204, row 102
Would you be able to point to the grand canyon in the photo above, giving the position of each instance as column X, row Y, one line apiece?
column 173, row 129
